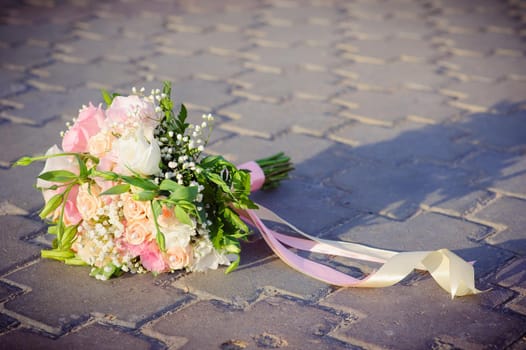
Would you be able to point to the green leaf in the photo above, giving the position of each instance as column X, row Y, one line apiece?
column 58, row 176
column 108, row 99
column 216, row 178
column 57, row 254
column 160, row 241
column 182, row 216
column 179, row 192
column 52, row 204
column 234, row 265
column 68, row 237
column 52, row 229
column 145, row 184
column 76, row 261
column 24, row 161
column 117, row 189
column 82, row 167
column 144, row 196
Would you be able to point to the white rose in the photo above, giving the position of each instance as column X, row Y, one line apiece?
column 68, row 163
column 136, row 153
column 178, row 235
column 207, row 257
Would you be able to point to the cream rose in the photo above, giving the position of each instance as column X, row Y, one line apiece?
column 134, row 210
column 179, row 257
column 100, row 144
column 88, row 200
column 138, row 231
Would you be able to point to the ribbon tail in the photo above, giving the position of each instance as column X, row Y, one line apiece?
column 451, row 272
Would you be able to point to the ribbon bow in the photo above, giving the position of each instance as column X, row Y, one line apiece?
column 451, row 272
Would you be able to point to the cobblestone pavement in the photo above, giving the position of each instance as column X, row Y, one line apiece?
column 406, row 120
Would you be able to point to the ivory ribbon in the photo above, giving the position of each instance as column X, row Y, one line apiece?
column 451, row 272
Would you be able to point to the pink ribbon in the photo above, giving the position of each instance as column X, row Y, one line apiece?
column 451, row 272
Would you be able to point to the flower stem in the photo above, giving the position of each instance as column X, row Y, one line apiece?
column 276, row 169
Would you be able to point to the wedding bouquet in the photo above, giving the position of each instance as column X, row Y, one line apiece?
column 130, row 190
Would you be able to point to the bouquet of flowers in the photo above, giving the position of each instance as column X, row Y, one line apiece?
column 131, row 191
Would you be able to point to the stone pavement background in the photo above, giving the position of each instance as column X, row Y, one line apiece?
column 406, row 120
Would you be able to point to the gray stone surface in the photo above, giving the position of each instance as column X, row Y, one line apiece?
column 405, row 121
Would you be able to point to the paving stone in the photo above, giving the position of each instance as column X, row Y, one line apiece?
column 24, row 57
column 7, row 323
column 225, row 16
column 513, row 276
column 46, row 32
column 100, row 73
column 11, row 82
column 392, row 107
column 501, row 130
column 395, row 75
column 256, row 119
column 311, row 117
column 297, row 13
column 204, row 94
column 299, row 83
column 399, row 317
column 81, row 295
column 398, row 191
column 481, row 96
column 500, row 171
column 271, row 323
column 7, row 291
column 382, row 27
column 20, row 191
column 256, row 273
column 428, row 231
column 482, row 42
column 317, row 160
column 179, row 67
column 491, row 67
column 121, row 49
column 93, row 336
column 188, row 42
column 300, row 33
column 476, row 20
column 36, row 140
column 394, row 145
column 507, row 211
column 278, row 57
column 15, row 251
column 39, row 107
column 395, row 48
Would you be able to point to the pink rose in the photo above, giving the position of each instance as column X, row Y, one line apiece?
column 133, row 109
column 152, row 258
column 89, row 123
column 71, row 214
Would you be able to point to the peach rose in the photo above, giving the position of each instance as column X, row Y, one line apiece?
column 178, row 257
column 138, row 231
column 88, row 203
column 134, row 210
column 100, row 143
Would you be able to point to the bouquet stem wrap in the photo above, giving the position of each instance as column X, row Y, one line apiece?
column 451, row 272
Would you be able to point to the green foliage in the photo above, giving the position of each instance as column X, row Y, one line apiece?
column 117, row 189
